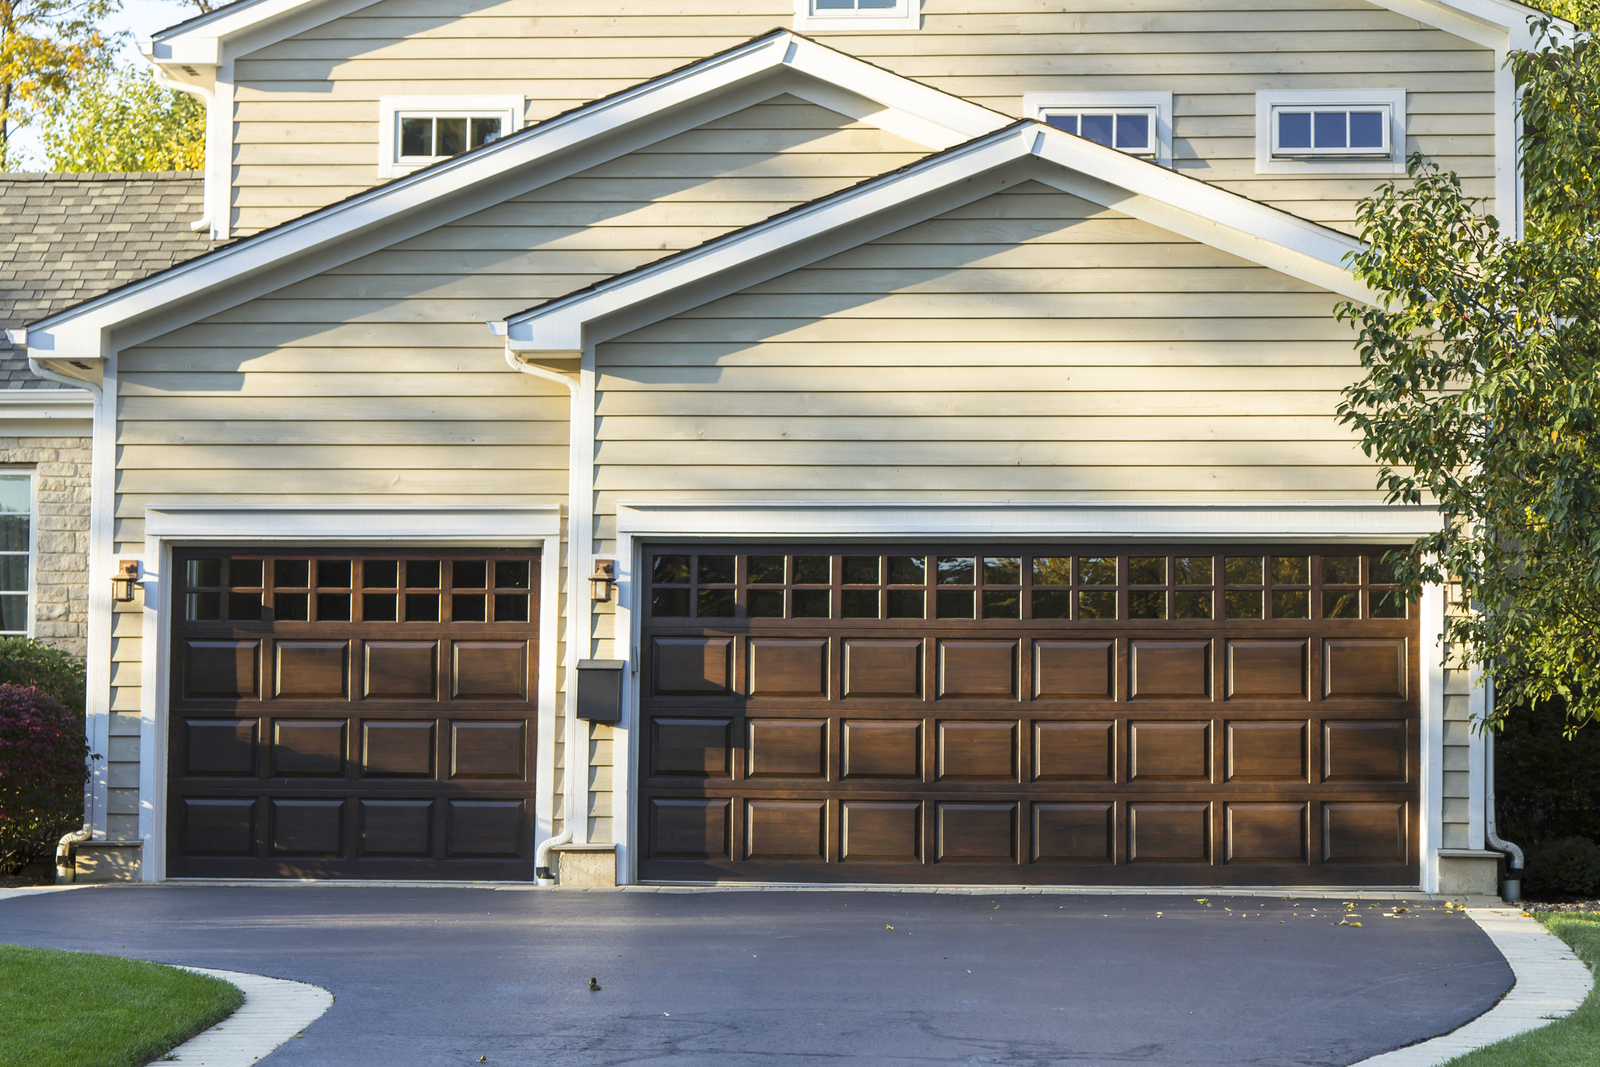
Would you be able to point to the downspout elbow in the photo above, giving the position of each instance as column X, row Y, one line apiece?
column 66, row 865
column 208, row 100
column 62, row 379
column 1511, row 887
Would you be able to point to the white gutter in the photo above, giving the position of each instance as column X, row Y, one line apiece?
column 575, row 749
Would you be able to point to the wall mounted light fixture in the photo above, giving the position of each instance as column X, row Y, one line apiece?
column 603, row 578
column 124, row 580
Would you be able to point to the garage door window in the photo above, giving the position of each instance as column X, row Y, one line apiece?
column 997, row 585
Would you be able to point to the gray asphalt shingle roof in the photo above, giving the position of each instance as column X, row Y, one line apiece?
column 65, row 238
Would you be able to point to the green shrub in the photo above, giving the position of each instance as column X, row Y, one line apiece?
column 1546, row 786
column 1566, row 867
column 24, row 661
column 43, row 764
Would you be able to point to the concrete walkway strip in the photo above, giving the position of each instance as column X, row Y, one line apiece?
column 273, row 1012
column 1550, row 983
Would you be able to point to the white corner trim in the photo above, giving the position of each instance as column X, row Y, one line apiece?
column 905, row 15
column 1038, row 105
column 1393, row 99
column 274, row 1011
column 1551, row 982
column 508, row 109
column 476, row 525
column 1325, row 521
column 823, row 227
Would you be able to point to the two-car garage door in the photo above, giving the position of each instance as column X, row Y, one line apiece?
column 1177, row 714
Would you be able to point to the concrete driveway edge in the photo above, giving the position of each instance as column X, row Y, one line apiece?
column 273, row 1012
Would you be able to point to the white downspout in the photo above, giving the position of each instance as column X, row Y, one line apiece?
column 99, row 773
column 209, row 99
column 1512, row 890
column 574, row 749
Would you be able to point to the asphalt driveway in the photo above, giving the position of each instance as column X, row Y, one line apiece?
column 429, row 977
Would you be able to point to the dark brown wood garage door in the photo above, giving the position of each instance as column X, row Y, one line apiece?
column 1070, row 714
column 353, row 714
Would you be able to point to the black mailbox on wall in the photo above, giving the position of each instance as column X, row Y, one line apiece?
column 600, row 689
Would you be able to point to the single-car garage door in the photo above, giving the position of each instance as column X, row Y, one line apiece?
column 1163, row 714
column 352, row 714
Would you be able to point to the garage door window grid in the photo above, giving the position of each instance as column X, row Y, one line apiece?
column 355, row 589
column 1081, row 585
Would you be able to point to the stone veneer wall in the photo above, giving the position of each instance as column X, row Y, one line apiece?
column 61, row 577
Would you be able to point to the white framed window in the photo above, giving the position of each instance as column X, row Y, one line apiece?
column 1340, row 131
column 16, row 553
column 868, row 15
column 1139, row 124
column 414, row 131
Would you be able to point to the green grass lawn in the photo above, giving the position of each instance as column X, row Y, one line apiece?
column 1570, row 1042
column 72, row 1009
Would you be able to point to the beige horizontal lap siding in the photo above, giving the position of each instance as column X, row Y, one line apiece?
column 969, row 370
column 378, row 382
column 306, row 109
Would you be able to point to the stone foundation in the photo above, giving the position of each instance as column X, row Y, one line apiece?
column 584, row 866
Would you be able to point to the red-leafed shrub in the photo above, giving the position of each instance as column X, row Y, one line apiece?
column 43, row 764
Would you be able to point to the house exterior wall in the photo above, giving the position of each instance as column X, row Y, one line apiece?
column 377, row 382
column 305, row 109
column 60, row 466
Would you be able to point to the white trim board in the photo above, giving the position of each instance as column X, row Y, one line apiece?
column 546, row 152
column 172, row 526
column 639, row 522
column 197, row 40
column 1023, row 151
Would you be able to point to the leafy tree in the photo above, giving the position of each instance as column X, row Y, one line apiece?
column 44, row 46
column 1482, row 387
column 122, row 119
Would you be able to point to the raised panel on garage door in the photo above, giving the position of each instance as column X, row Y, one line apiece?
column 1049, row 713
column 346, row 713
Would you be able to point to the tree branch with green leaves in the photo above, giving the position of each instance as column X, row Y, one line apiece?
column 1481, row 390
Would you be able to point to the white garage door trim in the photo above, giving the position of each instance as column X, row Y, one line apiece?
column 1320, row 521
column 167, row 527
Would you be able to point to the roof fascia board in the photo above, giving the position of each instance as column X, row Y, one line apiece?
column 1223, row 220
column 932, row 109
column 193, row 40
column 1210, row 215
column 560, row 324
column 781, row 260
column 692, row 96
column 427, row 210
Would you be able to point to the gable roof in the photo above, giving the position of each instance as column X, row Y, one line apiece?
column 65, row 238
column 1022, row 151
column 779, row 61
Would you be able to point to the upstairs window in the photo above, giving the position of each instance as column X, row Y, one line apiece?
column 425, row 138
column 1128, row 130
column 1338, row 131
column 857, row 15
column 1137, row 123
column 415, row 131
column 1330, row 131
